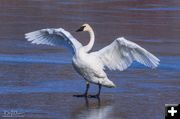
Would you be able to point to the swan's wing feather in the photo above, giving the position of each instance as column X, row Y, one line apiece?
column 53, row 37
column 121, row 53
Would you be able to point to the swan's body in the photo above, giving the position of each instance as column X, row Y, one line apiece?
column 118, row 55
column 88, row 66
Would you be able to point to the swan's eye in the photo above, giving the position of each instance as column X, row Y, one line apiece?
column 80, row 29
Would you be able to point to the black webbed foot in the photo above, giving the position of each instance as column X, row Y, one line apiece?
column 81, row 95
column 93, row 96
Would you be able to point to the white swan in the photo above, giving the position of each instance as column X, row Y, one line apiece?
column 119, row 55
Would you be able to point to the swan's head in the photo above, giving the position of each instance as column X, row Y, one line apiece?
column 84, row 27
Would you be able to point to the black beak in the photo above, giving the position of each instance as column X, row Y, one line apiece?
column 80, row 29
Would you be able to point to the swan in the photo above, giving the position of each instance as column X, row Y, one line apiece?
column 119, row 55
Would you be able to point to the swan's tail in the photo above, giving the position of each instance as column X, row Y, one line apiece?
column 107, row 83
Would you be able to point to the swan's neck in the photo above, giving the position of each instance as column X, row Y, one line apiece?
column 89, row 46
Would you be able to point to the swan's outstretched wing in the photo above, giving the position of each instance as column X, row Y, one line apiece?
column 54, row 37
column 121, row 53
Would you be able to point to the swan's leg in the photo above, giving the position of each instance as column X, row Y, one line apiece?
column 87, row 88
column 98, row 94
column 86, row 91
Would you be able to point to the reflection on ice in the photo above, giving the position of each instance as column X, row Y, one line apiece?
column 95, row 110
